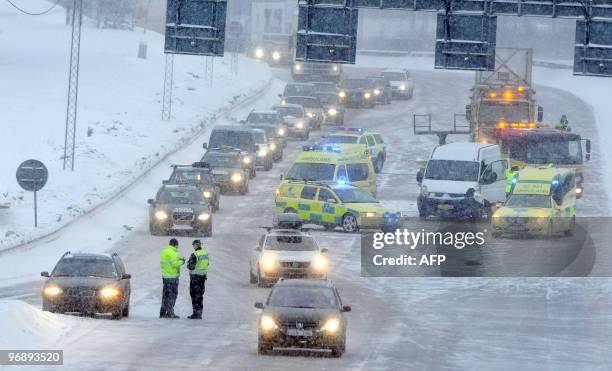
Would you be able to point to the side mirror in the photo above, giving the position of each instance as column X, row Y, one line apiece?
column 164, row 182
column 44, row 274
column 324, row 250
column 419, row 176
column 259, row 305
column 588, row 149
column 540, row 114
column 205, row 145
column 346, row 308
column 126, row 276
column 151, row 201
column 332, row 201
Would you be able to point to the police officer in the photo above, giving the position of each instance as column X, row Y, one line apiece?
column 170, row 263
column 564, row 124
column 510, row 173
column 198, row 266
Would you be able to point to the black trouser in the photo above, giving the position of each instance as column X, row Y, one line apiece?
column 196, row 290
column 169, row 294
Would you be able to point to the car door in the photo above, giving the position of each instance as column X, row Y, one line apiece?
column 493, row 182
column 307, row 203
column 329, row 203
column 359, row 176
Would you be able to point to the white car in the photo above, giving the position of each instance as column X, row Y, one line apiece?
column 401, row 82
column 287, row 253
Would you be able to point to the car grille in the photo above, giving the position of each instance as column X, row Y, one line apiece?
column 295, row 264
column 309, row 325
column 219, row 177
column 81, row 292
column 182, row 216
column 517, row 220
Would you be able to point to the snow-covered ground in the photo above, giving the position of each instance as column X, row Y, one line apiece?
column 120, row 134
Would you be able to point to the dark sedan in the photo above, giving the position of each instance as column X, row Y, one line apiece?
column 357, row 93
column 303, row 315
column 198, row 174
column 179, row 208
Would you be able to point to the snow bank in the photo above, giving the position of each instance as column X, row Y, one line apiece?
column 25, row 327
column 120, row 134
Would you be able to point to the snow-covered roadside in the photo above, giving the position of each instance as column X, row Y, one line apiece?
column 119, row 132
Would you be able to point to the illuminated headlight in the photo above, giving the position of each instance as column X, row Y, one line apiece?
column 298, row 67
column 259, row 53
column 331, row 326
column 267, row 323
column 52, row 291
column 269, row 263
column 342, row 94
column 276, row 56
column 247, row 160
column 109, row 293
column 161, row 215
column 262, row 153
column 376, row 92
column 300, row 125
column 204, row 217
column 367, row 95
column 368, row 214
column 332, row 112
column 284, row 101
column 335, row 68
column 280, row 132
column 207, row 194
column 578, row 190
column 319, row 263
column 272, row 147
column 403, row 87
column 310, row 114
column 236, row 178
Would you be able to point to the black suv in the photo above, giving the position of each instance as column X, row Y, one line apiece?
column 358, row 93
column 228, row 169
column 238, row 137
column 303, row 314
column 198, row 174
column 180, row 208
column 88, row 284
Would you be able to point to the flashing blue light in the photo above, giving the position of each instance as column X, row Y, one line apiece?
column 341, row 128
column 514, row 180
column 555, row 182
column 322, row 148
column 341, row 181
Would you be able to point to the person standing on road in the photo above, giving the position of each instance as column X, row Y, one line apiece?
column 170, row 263
column 510, row 173
column 198, row 266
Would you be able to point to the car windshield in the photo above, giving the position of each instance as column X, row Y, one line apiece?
column 465, row 171
column 186, row 197
column 223, row 160
column 394, row 76
column 323, row 87
column 85, row 267
column 234, row 139
column 334, row 139
column 181, row 176
column 354, row 195
column 563, row 152
column 270, row 130
column 302, row 297
column 298, row 90
column 290, row 111
column 306, row 102
column 258, row 117
column 515, row 200
column 326, row 98
column 290, row 243
column 494, row 112
column 311, row 171
column 355, row 83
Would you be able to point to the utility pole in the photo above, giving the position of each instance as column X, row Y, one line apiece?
column 168, row 86
column 73, row 85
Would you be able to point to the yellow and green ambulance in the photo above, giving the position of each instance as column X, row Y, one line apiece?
column 372, row 143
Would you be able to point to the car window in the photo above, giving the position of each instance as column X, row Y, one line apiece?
column 325, row 194
column 234, row 139
column 308, row 193
column 303, row 297
column 311, row 171
column 362, row 140
column 180, row 197
column 371, row 141
column 119, row 265
column 85, row 267
column 357, row 172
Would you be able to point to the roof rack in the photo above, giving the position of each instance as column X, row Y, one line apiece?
column 342, row 128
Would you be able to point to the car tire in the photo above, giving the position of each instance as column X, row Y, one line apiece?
column 349, row 223
column 263, row 347
column 126, row 309
column 260, row 281
column 46, row 306
column 253, row 278
column 244, row 189
column 154, row 230
column 378, row 165
column 218, row 204
column 339, row 350
column 118, row 314
column 549, row 230
column 253, row 173
column 207, row 232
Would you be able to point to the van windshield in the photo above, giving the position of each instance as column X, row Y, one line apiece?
column 311, row 171
column 542, row 201
column 235, row 139
column 464, row 171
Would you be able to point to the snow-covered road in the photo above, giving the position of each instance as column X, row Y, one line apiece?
column 396, row 323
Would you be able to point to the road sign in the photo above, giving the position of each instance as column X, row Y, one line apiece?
column 32, row 175
column 196, row 27
column 593, row 50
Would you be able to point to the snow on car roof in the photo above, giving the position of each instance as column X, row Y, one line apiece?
column 265, row 112
column 463, row 151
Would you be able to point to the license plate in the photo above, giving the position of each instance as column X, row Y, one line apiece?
column 179, row 227
column 445, row 207
column 299, row 332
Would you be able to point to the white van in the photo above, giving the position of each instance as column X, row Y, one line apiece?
column 462, row 180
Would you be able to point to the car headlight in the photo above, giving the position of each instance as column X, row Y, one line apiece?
column 310, row 114
column 203, row 217
column 161, row 215
column 269, row 263
column 319, row 263
column 109, row 293
column 52, row 291
column 247, row 160
column 283, row 101
column 262, row 152
column 259, row 53
column 368, row 214
column 332, row 112
column 424, row 192
column 300, row 125
column 342, row 94
column 335, row 68
column 207, row 194
column 272, row 147
column 331, row 326
column 267, row 323
column 280, row 132
column 276, row 56
column 298, row 67
column 367, row 95
column 403, row 87
column 236, row 178
column 376, row 92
